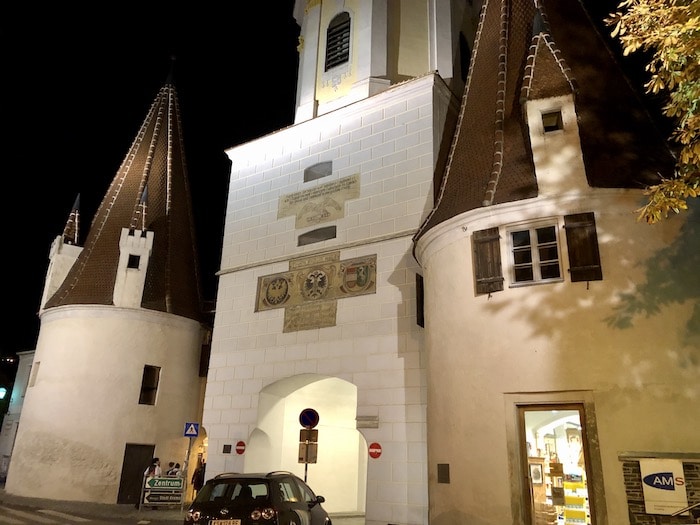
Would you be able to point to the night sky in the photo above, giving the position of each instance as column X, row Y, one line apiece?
column 77, row 86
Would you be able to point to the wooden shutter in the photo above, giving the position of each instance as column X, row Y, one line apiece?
column 487, row 261
column 582, row 242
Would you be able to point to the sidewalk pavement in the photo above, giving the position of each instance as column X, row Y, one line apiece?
column 97, row 510
column 146, row 513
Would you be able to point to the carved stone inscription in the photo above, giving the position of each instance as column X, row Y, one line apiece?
column 319, row 204
column 310, row 316
column 309, row 290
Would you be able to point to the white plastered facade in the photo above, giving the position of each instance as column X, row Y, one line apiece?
column 374, row 352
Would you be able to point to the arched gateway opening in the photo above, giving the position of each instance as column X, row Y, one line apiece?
column 340, row 471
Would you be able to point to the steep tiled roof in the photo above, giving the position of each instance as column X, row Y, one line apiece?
column 524, row 51
column 150, row 189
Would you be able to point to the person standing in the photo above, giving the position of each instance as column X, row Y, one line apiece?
column 198, row 477
column 175, row 470
column 153, row 470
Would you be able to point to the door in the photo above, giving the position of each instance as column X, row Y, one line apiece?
column 136, row 461
column 553, row 441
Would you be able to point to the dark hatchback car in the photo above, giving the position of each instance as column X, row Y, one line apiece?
column 274, row 498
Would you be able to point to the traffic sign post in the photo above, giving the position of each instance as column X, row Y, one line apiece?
column 308, row 438
column 191, row 431
column 308, row 418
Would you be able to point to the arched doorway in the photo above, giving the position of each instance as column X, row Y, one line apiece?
column 340, row 472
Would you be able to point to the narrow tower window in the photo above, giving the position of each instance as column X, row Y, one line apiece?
column 149, row 385
column 338, row 41
column 551, row 121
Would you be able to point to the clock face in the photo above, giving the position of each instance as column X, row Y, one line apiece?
column 277, row 291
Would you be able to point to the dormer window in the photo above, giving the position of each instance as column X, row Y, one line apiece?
column 338, row 41
column 552, row 121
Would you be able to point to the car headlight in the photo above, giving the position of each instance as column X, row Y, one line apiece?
column 267, row 513
column 192, row 516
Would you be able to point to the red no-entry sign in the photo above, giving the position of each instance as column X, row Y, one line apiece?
column 240, row 447
column 375, row 450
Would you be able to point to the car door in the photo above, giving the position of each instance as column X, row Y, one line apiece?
column 317, row 513
column 294, row 507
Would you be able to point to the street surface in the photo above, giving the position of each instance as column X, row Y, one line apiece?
column 75, row 513
column 18, row 515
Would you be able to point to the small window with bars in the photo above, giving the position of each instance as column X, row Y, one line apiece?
column 338, row 41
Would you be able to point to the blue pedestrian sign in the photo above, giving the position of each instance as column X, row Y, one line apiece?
column 191, row 430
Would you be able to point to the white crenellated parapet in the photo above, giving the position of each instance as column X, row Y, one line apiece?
column 62, row 256
column 135, row 250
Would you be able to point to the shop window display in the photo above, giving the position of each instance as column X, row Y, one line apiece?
column 556, row 466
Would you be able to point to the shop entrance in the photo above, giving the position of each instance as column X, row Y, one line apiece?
column 553, row 438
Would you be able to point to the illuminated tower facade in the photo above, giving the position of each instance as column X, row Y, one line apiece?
column 317, row 304
column 115, row 375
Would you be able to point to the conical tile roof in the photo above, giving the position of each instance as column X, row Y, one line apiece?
column 525, row 50
column 150, row 189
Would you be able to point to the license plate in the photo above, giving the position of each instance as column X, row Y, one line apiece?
column 225, row 522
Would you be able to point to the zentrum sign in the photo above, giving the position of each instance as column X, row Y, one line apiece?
column 663, row 484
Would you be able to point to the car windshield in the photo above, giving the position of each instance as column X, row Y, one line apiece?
column 233, row 491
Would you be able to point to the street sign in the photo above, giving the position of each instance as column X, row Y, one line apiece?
column 309, row 435
column 169, row 483
column 160, row 497
column 240, row 447
column 191, row 430
column 162, row 490
column 375, row 450
column 308, row 452
column 308, row 418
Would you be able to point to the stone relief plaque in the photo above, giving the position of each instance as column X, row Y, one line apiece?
column 309, row 290
column 310, row 316
column 322, row 203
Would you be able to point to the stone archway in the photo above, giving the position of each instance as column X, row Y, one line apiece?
column 340, row 473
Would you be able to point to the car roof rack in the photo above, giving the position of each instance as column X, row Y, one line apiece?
column 226, row 475
column 277, row 472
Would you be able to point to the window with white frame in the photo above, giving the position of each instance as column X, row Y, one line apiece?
column 535, row 254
